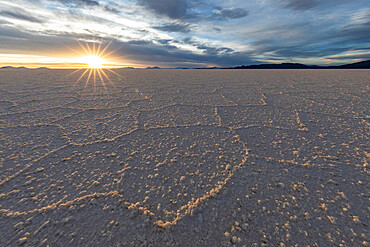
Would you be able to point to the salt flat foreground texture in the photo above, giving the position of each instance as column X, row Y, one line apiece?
column 185, row 158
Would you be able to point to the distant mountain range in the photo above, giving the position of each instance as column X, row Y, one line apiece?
column 22, row 67
column 359, row 65
column 11, row 67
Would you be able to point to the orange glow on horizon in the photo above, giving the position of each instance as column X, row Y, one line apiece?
column 83, row 55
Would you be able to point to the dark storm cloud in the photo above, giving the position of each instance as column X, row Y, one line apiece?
column 21, row 15
column 181, row 28
column 300, row 4
column 175, row 9
column 233, row 13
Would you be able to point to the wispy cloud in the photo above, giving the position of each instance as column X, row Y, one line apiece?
column 231, row 13
column 173, row 9
column 176, row 27
column 300, row 4
column 20, row 15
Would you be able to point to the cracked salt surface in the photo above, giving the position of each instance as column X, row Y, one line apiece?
column 185, row 157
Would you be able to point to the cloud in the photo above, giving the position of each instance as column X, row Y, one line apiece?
column 16, row 41
column 175, row 9
column 139, row 42
column 90, row 2
column 215, row 50
column 152, row 54
column 232, row 13
column 296, row 44
column 359, row 29
column 138, row 51
column 80, row 3
column 111, row 9
column 207, row 49
column 217, row 33
column 351, row 56
column 181, row 28
column 300, row 5
column 11, row 33
column 164, row 41
column 191, row 9
column 21, row 16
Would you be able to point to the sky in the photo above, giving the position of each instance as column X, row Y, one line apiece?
column 184, row 33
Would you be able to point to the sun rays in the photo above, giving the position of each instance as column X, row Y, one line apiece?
column 94, row 62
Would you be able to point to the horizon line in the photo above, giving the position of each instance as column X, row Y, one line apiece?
column 121, row 66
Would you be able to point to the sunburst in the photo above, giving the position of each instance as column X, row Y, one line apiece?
column 93, row 59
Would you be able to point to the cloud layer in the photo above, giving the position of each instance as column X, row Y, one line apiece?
column 191, row 33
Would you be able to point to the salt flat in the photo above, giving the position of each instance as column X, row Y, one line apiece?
column 185, row 158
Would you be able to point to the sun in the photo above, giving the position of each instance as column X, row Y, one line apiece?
column 94, row 62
